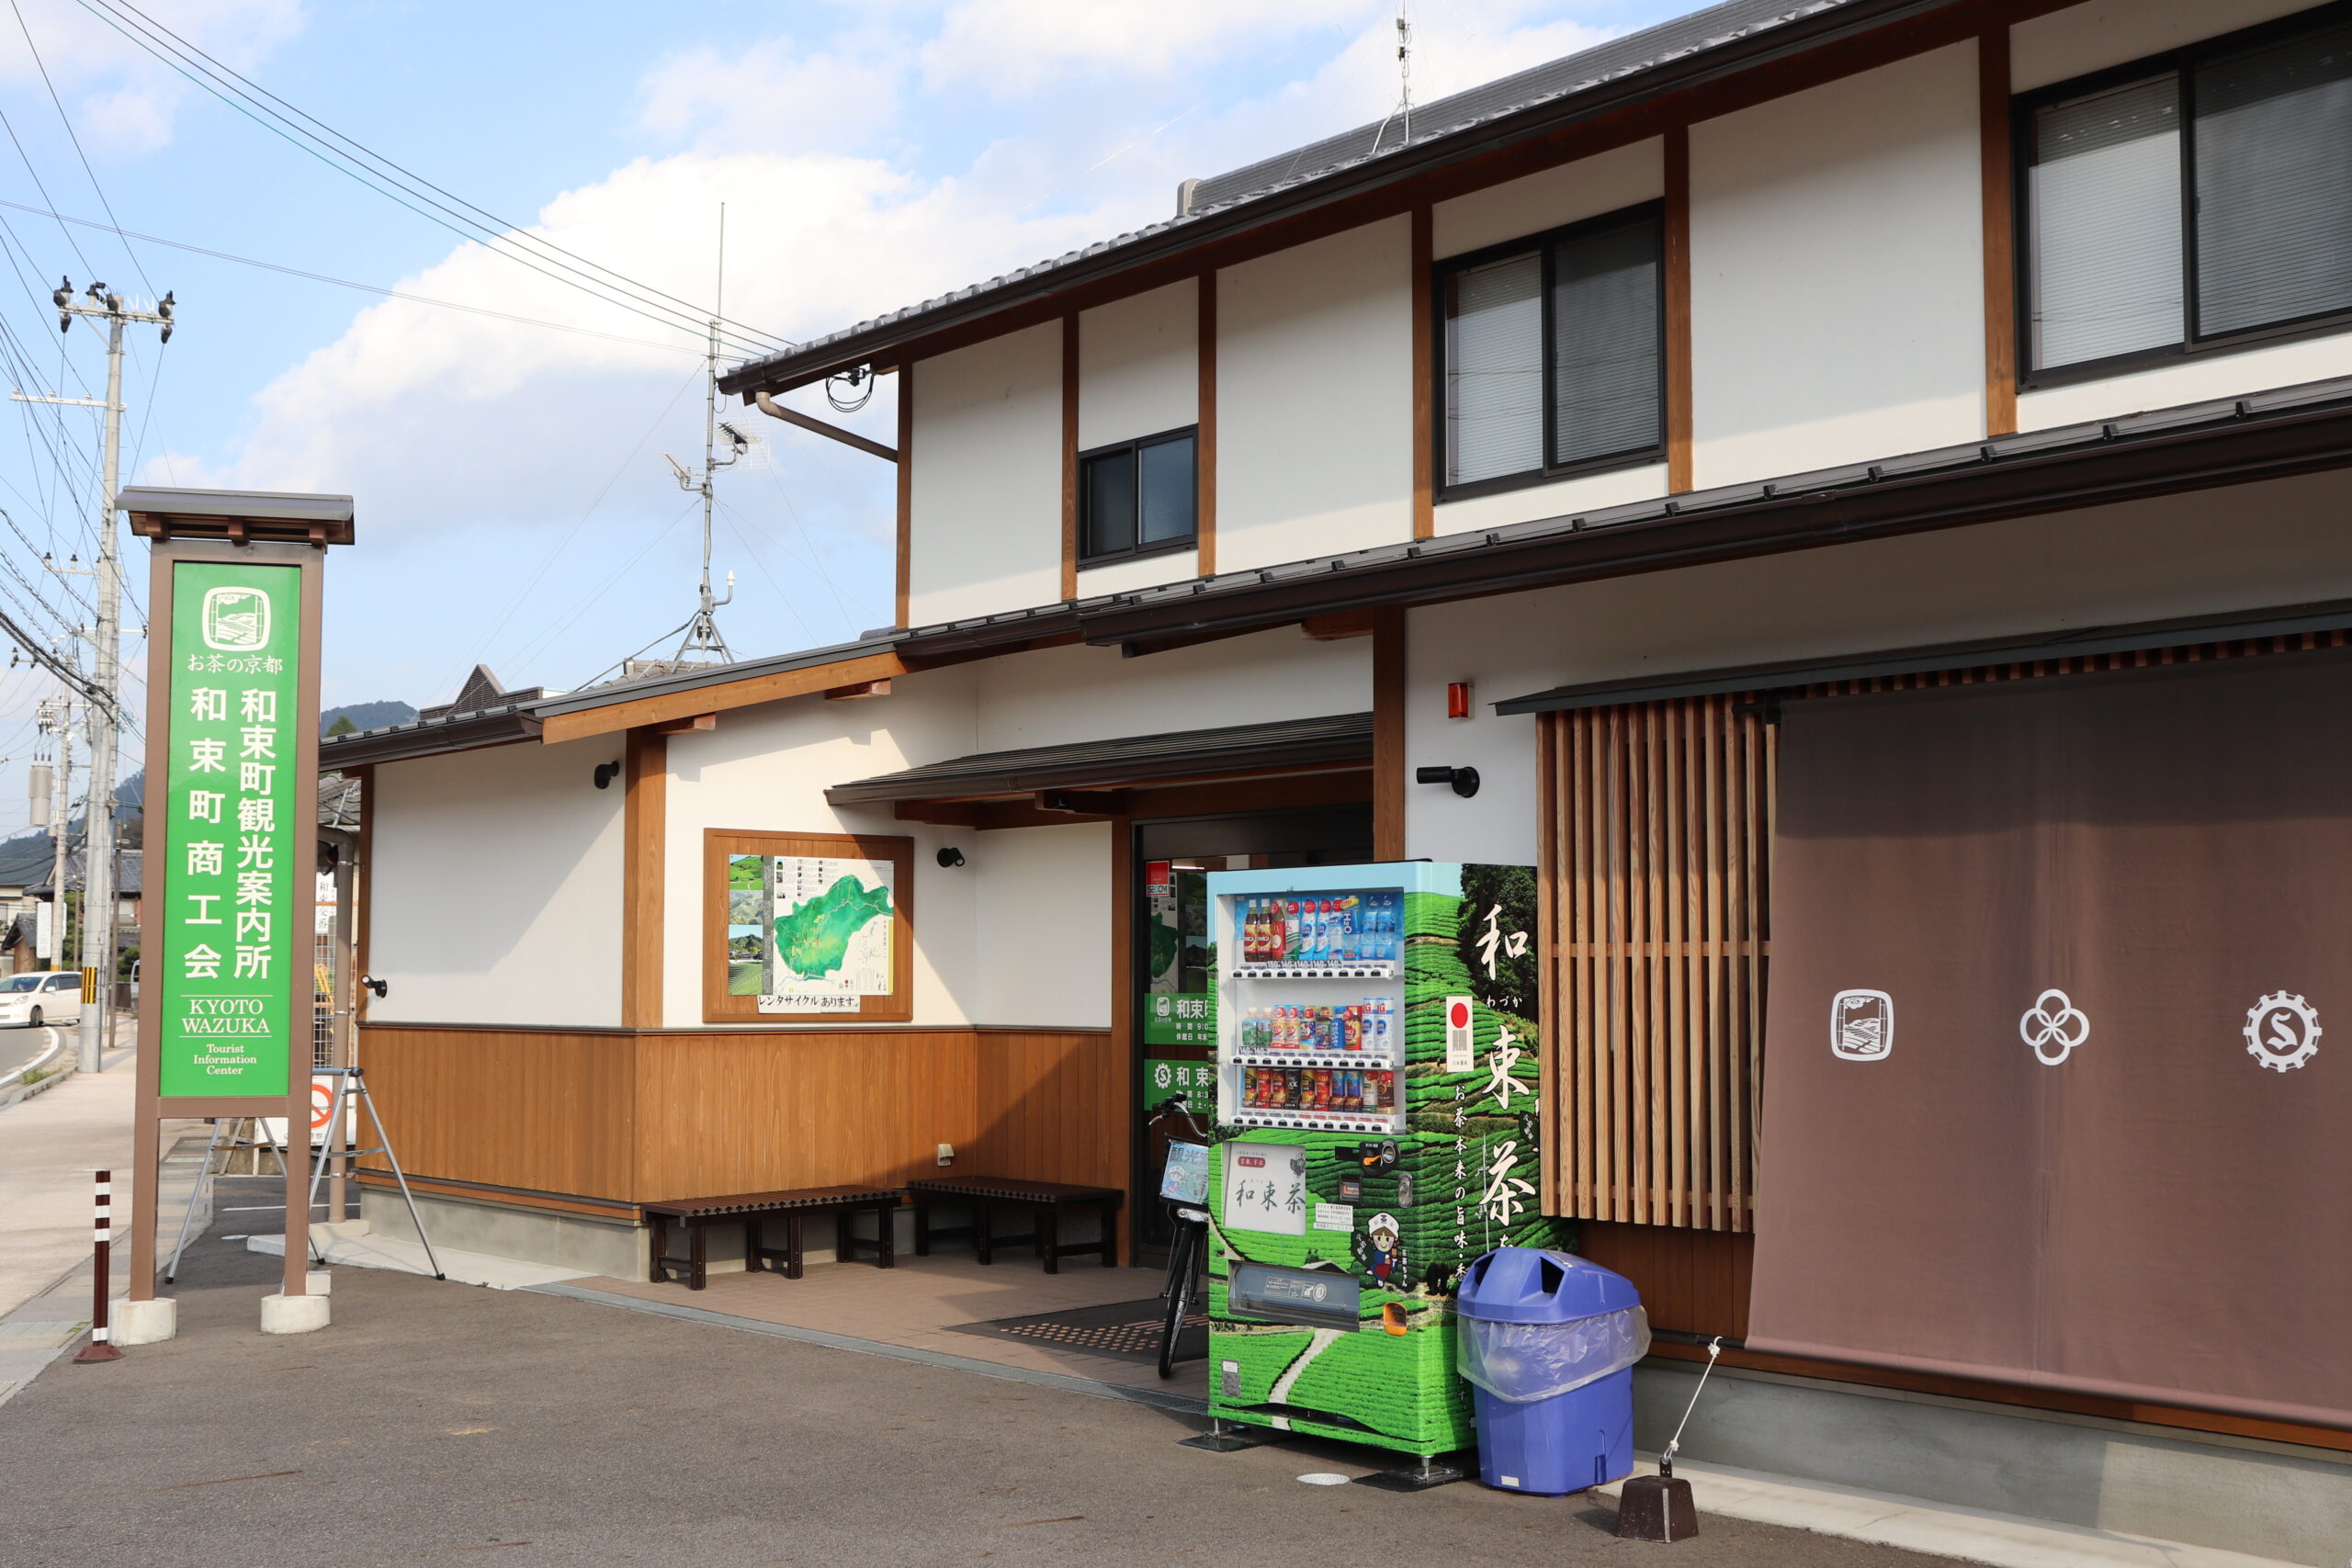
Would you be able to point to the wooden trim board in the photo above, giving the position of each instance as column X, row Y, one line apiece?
column 2000, row 238
column 1388, row 676
column 905, row 575
column 1069, row 455
column 1680, row 469
column 645, row 774
column 719, row 844
column 1205, row 441
column 1424, row 371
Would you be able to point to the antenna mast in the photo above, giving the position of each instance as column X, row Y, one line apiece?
column 703, row 642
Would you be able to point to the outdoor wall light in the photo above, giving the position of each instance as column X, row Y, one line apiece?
column 949, row 859
column 605, row 773
column 1464, row 780
column 369, row 982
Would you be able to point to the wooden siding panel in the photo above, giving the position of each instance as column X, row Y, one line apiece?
column 1050, row 1108
column 1691, row 1280
column 633, row 1117
column 547, row 1110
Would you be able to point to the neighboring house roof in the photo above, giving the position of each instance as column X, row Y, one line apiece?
column 1609, row 78
column 2263, row 436
column 26, row 860
column 1291, row 745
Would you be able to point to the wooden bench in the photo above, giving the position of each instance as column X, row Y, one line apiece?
column 750, row 1210
column 1045, row 1201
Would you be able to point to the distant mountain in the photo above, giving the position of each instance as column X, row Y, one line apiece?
column 368, row 715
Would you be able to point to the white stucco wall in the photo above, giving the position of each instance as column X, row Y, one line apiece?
column 1138, row 366
column 496, row 887
column 1837, row 283
column 1622, row 177
column 1043, row 930
column 2214, row 551
column 1315, row 399
column 1144, row 572
column 1060, row 694
column 986, row 502
column 766, row 769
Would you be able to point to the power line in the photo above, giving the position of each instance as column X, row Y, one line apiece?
column 344, row 282
column 368, row 168
column 66, row 120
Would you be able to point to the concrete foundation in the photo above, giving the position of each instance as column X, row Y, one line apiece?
column 2266, row 1499
column 282, row 1314
column 615, row 1248
column 143, row 1323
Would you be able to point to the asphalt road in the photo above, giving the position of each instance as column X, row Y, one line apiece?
column 19, row 1046
column 444, row 1421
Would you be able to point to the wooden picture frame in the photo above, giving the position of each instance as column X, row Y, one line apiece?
column 720, row 846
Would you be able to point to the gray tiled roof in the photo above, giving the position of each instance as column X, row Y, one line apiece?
column 1712, row 27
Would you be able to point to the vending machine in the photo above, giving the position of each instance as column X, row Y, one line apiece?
column 1377, row 1060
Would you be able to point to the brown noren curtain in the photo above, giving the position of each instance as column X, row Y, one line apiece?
column 2052, row 1096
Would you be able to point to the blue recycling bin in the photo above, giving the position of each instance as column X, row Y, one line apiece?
column 1548, row 1342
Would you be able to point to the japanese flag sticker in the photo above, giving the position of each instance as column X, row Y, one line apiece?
column 1461, row 1038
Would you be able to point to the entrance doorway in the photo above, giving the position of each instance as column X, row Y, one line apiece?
column 1174, row 1027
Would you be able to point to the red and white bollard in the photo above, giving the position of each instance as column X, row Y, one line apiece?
column 101, row 1347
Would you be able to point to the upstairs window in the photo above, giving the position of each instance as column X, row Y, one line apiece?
column 1554, row 351
column 2197, row 201
column 1137, row 498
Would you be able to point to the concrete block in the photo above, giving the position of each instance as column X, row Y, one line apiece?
column 144, row 1323
column 282, row 1314
column 318, row 1282
column 2265, row 1499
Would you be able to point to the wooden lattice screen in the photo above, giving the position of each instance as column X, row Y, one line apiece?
column 1656, row 851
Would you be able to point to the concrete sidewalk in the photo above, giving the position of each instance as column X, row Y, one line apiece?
column 49, row 1146
column 440, row 1419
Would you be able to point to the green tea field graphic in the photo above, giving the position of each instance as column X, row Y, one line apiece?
column 1465, row 1182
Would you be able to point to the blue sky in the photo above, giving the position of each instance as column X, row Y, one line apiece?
column 514, row 506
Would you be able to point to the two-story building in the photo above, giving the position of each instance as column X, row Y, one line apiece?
column 1863, row 485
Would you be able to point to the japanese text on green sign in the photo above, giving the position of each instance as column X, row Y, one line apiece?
column 228, row 917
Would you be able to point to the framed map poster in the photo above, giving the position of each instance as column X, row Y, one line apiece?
column 805, row 926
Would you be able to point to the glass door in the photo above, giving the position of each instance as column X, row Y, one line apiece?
column 1175, row 961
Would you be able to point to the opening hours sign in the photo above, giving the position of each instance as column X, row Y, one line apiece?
column 228, row 920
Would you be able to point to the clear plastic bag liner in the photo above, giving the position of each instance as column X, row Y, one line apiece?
column 1526, row 1362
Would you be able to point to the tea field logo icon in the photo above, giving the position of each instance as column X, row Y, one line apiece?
column 236, row 620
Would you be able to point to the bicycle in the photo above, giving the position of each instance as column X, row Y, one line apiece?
column 1184, row 1185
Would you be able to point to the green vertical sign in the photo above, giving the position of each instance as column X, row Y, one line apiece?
column 228, row 917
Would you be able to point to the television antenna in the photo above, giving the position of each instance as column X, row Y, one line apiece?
column 703, row 643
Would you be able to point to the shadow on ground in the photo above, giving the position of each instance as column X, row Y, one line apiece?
column 439, row 1420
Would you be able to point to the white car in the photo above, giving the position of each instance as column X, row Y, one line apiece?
column 46, row 996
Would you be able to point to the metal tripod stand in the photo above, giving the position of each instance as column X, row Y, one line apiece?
column 350, row 1083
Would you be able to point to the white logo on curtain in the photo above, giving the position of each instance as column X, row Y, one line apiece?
column 1861, row 1026
column 2282, row 1031
column 2052, row 1027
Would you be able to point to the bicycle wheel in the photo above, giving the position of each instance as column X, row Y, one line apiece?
column 1180, row 1295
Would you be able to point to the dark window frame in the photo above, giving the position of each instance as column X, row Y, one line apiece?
column 1543, row 244
column 1190, row 540
column 2180, row 64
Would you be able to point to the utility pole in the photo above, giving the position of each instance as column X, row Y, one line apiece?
column 702, row 639
column 106, row 715
column 56, row 716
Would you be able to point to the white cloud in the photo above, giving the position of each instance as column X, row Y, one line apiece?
column 779, row 93
column 1013, row 47
column 122, row 98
